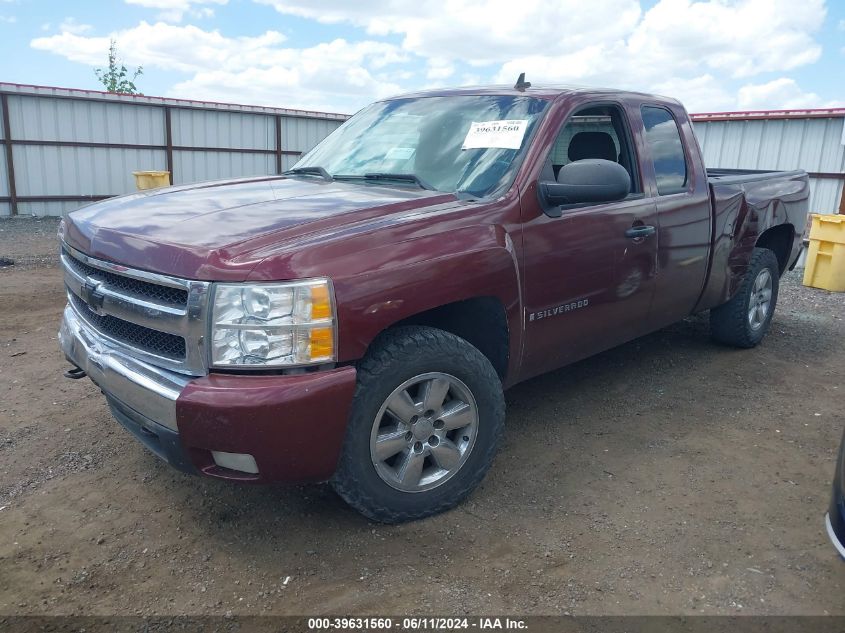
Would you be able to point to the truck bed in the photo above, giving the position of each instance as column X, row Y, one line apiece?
column 745, row 203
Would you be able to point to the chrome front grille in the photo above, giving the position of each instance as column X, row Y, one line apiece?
column 162, row 343
column 135, row 287
column 159, row 318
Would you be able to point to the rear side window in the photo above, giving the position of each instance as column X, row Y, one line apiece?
column 667, row 150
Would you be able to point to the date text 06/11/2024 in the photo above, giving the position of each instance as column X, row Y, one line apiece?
column 417, row 624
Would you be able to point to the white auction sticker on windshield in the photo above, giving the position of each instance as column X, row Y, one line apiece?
column 500, row 134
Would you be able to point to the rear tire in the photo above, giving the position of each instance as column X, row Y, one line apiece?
column 744, row 320
column 425, row 424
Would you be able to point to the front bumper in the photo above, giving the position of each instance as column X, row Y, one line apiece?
column 292, row 426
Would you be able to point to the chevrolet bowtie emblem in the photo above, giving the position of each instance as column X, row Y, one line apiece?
column 92, row 296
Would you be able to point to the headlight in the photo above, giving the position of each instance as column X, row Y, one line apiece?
column 276, row 325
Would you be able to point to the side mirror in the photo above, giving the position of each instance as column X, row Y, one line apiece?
column 589, row 180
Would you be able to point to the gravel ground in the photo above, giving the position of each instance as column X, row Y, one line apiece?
column 666, row 476
column 28, row 242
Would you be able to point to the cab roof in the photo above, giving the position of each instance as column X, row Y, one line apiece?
column 547, row 92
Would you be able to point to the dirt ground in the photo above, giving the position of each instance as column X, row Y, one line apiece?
column 667, row 476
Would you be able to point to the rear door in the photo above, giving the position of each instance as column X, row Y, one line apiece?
column 673, row 163
column 589, row 279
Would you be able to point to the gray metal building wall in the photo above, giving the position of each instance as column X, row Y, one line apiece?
column 813, row 140
column 5, row 205
column 69, row 147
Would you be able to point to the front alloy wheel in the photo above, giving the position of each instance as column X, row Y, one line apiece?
column 424, row 432
column 425, row 423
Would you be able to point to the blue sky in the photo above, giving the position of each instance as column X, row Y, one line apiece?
column 338, row 55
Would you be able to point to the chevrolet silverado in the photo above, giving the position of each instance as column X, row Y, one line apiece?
column 356, row 319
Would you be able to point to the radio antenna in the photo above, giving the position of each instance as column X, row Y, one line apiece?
column 521, row 84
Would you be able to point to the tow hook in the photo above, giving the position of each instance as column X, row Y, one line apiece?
column 75, row 374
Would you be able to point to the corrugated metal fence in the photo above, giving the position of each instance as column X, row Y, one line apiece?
column 62, row 148
column 812, row 140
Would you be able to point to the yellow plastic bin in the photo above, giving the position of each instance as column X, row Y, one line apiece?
column 825, row 266
column 151, row 179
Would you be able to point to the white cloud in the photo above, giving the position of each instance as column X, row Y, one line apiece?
column 8, row 19
column 439, row 69
column 175, row 10
column 692, row 49
column 470, row 79
column 698, row 94
column 170, row 47
column 70, row 25
column 333, row 75
column 739, row 39
column 701, row 51
column 463, row 30
column 681, row 47
column 779, row 93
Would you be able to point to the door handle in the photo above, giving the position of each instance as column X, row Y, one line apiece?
column 640, row 231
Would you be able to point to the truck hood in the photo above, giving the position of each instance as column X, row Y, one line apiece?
column 209, row 231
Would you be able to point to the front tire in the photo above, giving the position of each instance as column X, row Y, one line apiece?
column 426, row 420
column 744, row 320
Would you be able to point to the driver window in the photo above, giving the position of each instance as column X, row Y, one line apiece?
column 598, row 132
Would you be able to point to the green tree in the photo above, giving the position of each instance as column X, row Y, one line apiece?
column 116, row 77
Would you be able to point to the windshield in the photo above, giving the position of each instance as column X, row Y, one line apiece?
column 451, row 144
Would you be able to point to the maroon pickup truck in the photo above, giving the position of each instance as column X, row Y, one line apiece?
column 356, row 319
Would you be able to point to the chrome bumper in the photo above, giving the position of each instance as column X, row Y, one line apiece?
column 149, row 390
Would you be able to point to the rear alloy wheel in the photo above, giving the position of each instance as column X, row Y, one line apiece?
column 425, row 424
column 761, row 299
column 744, row 320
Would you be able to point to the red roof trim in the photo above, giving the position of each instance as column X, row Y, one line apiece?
column 750, row 115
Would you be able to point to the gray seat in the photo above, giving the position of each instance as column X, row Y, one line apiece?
column 592, row 145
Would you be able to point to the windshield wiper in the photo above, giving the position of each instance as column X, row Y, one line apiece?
column 389, row 176
column 406, row 177
column 309, row 171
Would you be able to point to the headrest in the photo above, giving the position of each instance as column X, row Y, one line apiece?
column 592, row 145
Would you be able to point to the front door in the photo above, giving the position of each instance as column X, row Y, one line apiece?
column 589, row 274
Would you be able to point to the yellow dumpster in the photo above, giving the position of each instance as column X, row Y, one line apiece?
column 151, row 179
column 825, row 266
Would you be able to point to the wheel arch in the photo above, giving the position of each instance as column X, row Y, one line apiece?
column 474, row 295
column 778, row 239
column 481, row 321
